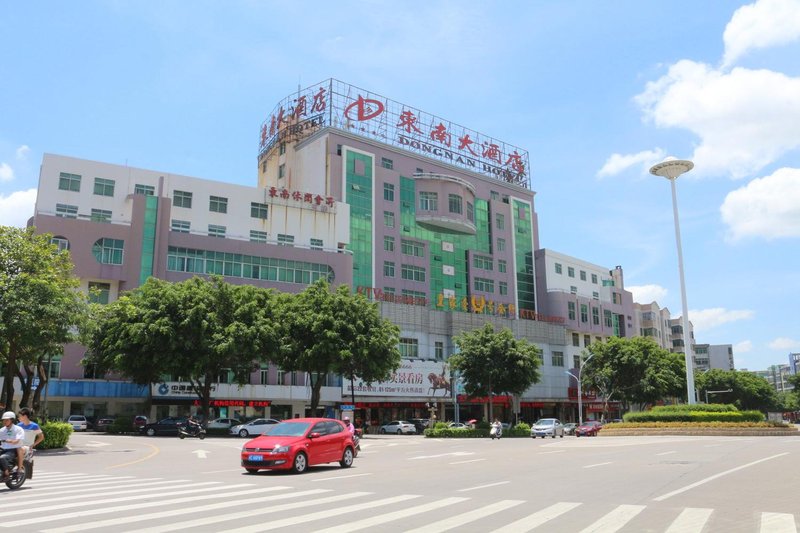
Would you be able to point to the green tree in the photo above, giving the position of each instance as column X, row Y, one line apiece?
column 748, row 391
column 493, row 362
column 196, row 330
column 633, row 370
column 337, row 332
column 794, row 381
column 40, row 307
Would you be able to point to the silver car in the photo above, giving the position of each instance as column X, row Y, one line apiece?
column 547, row 427
column 399, row 427
column 259, row 426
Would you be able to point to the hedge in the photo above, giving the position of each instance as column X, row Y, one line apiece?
column 695, row 416
column 443, row 432
column 711, row 407
column 56, row 435
column 121, row 425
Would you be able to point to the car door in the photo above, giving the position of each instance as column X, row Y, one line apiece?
column 316, row 447
column 258, row 426
column 335, row 441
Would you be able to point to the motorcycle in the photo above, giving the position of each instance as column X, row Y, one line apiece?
column 496, row 432
column 191, row 431
column 17, row 477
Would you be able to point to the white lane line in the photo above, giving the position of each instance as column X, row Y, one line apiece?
column 538, row 518
column 223, row 471
column 691, row 519
column 715, row 476
column 98, row 487
column 465, row 518
column 483, row 486
column 467, row 461
column 597, row 464
column 553, row 451
column 320, row 515
column 666, row 453
column 777, row 523
column 615, row 520
column 107, row 491
column 391, row 517
column 342, row 477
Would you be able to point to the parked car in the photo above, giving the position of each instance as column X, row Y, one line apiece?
column 104, row 423
column 165, row 426
column 569, row 428
column 299, row 443
column 420, row 424
column 139, row 421
column 79, row 422
column 547, row 427
column 223, row 423
column 457, row 425
column 400, row 427
column 255, row 427
column 588, row 428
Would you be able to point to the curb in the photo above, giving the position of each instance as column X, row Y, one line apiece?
column 701, row 432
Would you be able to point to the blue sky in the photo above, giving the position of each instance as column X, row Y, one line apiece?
column 595, row 91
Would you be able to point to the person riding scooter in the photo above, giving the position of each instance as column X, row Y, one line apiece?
column 497, row 429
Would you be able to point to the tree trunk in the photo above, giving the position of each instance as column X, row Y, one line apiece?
column 43, row 380
column 491, row 407
column 316, row 391
column 26, row 381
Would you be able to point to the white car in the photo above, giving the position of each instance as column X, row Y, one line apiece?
column 259, row 426
column 79, row 422
column 223, row 423
column 399, row 427
column 547, row 427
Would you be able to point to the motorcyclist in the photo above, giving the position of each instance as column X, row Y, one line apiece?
column 11, row 436
column 350, row 427
column 192, row 425
column 497, row 428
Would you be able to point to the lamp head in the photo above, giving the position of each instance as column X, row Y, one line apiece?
column 671, row 168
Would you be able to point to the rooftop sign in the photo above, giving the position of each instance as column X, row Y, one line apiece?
column 343, row 106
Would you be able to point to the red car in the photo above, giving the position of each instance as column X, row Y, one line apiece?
column 588, row 428
column 299, row 443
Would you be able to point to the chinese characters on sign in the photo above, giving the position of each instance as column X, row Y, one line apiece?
column 413, row 378
column 297, row 196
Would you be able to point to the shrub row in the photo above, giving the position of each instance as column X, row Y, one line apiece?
column 56, row 435
column 710, row 407
column 695, row 416
column 634, row 425
column 441, row 431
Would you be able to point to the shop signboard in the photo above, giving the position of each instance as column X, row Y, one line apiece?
column 414, row 378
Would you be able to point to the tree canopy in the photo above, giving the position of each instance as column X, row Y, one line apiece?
column 493, row 362
column 749, row 391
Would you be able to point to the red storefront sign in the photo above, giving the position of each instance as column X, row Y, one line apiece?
column 236, row 403
column 496, row 400
column 368, row 405
column 531, row 404
column 572, row 394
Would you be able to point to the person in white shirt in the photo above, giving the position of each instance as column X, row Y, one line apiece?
column 11, row 437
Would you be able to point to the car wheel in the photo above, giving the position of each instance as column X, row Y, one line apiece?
column 300, row 463
column 243, row 433
column 252, row 470
column 562, row 435
column 553, row 435
column 151, row 432
column 577, row 434
column 383, row 431
column 399, row 431
column 347, row 458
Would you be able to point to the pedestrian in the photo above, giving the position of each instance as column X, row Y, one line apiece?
column 11, row 437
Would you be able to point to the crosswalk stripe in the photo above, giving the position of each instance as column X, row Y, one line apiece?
column 614, row 520
column 105, row 491
column 777, row 523
column 230, row 516
column 64, row 480
column 690, row 520
column 538, row 518
column 390, row 517
column 96, row 487
column 330, row 513
column 133, row 507
column 469, row 516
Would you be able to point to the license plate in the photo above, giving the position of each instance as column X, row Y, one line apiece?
column 256, row 458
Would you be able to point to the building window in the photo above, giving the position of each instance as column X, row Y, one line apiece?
column 108, row 251
column 144, row 190
column 69, row 182
column 576, row 341
column 389, row 290
column 570, row 272
column 388, row 219
column 573, row 289
column 483, row 262
column 454, row 203
column 494, row 195
column 103, row 187
column 338, row 149
column 101, row 215
column 61, row 243
column 285, row 240
column 500, row 221
column 595, row 295
column 584, row 313
column 483, row 284
column 258, row 236
column 281, row 148
column 587, row 340
column 558, row 359
column 503, row 288
column 182, row 199
column 438, row 350
column 99, row 292
column 558, row 268
column 594, row 279
column 596, row 316
column 607, row 318
column 388, row 192
column 501, row 245
column 412, row 273
column 571, row 310
column 412, row 248
column 420, row 171
column 428, row 201
column 388, row 269
column 614, row 298
column 218, row 204
column 316, row 244
column 216, row 231
column 388, row 243
column 281, row 171
column 180, row 226
column 387, row 163
column 66, row 211
column 258, row 210
column 583, row 275
column 501, row 265
column 470, row 212
column 409, row 348
column 418, row 295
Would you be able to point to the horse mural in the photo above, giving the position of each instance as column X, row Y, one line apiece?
column 439, row 381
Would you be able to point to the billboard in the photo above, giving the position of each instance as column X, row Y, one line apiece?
column 414, row 378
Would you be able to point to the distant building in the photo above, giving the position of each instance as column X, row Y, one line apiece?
column 794, row 362
column 777, row 376
column 713, row 356
column 652, row 321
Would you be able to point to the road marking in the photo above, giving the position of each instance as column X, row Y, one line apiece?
column 777, row 523
column 99, row 486
column 552, row 451
column 711, row 445
column 615, row 520
column 667, row 453
column 201, row 454
column 597, row 464
column 691, row 519
column 96, row 444
column 538, row 518
column 223, row 471
column 465, row 518
column 342, row 477
column 440, row 455
column 483, row 486
column 715, row 476
column 390, row 517
column 156, row 451
column 107, row 492
column 467, row 461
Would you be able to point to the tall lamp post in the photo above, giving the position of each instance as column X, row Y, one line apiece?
column 580, row 393
column 671, row 170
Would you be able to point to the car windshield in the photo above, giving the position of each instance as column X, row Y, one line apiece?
column 545, row 422
column 288, row 429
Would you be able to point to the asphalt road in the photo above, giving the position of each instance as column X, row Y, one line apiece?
column 405, row 483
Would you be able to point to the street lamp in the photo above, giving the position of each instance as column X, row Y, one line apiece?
column 580, row 393
column 716, row 392
column 671, row 170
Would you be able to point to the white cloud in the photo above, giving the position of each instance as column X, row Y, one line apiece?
column 6, row 172
column 767, row 207
column 22, row 152
column 620, row 162
column 645, row 294
column 705, row 319
column 784, row 343
column 763, row 24
column 17, row 208
column 743, row 347
column 744, row 119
